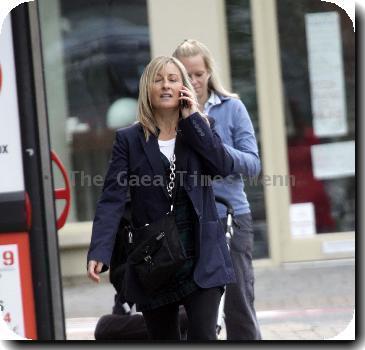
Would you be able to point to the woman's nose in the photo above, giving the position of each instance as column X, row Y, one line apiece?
column 165, row 83
column 194, row 81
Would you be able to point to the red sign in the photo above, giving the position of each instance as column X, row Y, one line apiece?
column 16, row 278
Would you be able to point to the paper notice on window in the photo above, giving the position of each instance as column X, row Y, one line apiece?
column 326, row 74
column 302, row 220
column 342, row 246
column 333, row 160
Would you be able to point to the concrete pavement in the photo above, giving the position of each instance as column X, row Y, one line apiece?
column 301, row 301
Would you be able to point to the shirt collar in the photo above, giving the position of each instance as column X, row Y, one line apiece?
column 212, row 101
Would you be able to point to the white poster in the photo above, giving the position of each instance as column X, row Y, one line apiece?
column 326, row 74
column 11, row 164
column 333, row 160
column 335, row 247
column 10, row 289
column 302, row 220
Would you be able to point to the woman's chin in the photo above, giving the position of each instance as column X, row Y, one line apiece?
column 167, row 107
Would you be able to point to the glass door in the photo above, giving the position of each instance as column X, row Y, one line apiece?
column 243, row 77
column 317, row 52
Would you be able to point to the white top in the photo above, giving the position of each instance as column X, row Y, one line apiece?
column 167, row 147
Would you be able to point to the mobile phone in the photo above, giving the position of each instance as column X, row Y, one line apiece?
column 183, row 103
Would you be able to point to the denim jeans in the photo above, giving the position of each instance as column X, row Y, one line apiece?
column 240, row 315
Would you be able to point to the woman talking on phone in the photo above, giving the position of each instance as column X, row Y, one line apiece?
column 166, row 154
column 234, row 126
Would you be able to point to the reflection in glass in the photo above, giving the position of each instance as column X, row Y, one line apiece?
column 105, row 46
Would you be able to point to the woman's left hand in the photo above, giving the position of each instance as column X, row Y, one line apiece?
column 192, row 103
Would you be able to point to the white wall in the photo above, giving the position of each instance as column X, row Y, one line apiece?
column 172, row 21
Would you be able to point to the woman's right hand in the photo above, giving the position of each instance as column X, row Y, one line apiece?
column 94, row 269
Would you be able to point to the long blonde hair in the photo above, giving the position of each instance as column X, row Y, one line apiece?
column 191, row 47
column 145, row 113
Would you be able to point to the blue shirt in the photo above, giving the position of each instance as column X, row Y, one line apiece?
column 234, row 126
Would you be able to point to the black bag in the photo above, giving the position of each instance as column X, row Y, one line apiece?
column 159, row 252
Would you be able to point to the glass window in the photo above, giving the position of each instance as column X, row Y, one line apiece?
column 103, row 47
column 317, row 46
column 243, row 78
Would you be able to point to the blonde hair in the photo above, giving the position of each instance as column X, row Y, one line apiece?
column 191, row 47
column 145, row 113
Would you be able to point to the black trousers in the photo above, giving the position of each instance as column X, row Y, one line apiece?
column 201, row 309
column 240, row 315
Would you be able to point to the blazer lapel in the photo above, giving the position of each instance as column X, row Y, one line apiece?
column 152, row 151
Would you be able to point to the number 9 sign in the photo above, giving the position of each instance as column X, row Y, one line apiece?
column 8, row 258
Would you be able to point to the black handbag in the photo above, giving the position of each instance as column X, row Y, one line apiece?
column 158, row 252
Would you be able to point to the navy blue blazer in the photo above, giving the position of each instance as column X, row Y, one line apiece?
column 136, row 164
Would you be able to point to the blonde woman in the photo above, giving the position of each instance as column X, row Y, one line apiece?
column 234, row 126
column 144, row 152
